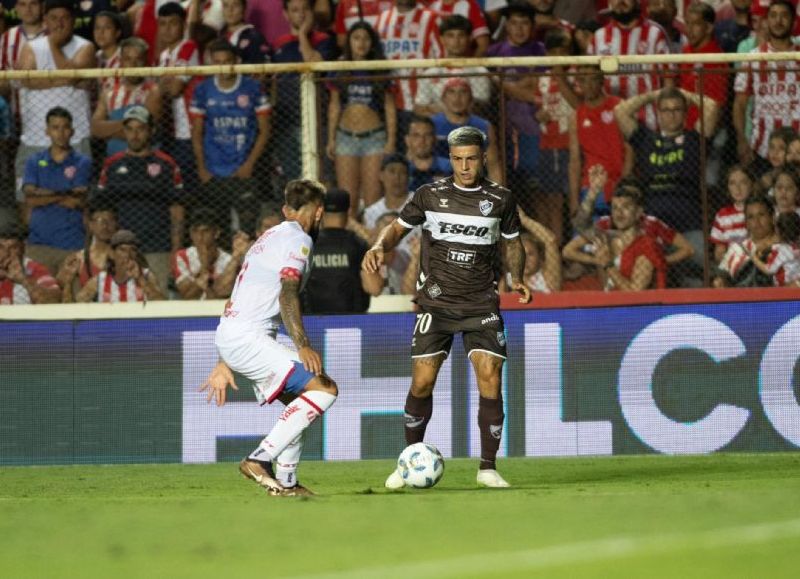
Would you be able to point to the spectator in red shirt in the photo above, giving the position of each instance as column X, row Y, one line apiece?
column 594, row 139
column 22, row 280
column 700, row 31
column 628, row 259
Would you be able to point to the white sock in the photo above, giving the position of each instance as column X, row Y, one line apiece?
column 286, row 462
column 297, row 416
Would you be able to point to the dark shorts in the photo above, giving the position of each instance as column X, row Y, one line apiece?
column 434, row 331
column 553, row 173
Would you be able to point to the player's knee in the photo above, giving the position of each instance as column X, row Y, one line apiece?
column 421, row 389
column 323, row 383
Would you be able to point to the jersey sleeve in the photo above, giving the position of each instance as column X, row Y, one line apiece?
column 413, row 213
column 294, row 259
column 509, row 222
column 30, row 176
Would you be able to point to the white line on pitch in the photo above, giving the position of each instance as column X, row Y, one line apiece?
column 570, row 553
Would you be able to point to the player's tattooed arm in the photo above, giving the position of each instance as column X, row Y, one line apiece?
column 514, row 259
column 289, row 301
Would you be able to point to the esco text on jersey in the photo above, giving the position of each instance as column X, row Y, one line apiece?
column 460, row 228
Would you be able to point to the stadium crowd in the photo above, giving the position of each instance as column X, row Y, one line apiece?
column 133, row 188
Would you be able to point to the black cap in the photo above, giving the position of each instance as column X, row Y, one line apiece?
column 393, row 158
column 337, row 201
column 124, row 237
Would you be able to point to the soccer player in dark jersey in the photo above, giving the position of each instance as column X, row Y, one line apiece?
column 470, row 227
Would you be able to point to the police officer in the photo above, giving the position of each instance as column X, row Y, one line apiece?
column 335, row 284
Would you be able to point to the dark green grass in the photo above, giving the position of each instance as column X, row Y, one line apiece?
column 654, row 516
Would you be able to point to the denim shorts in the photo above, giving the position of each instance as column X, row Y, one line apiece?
column 360, row 144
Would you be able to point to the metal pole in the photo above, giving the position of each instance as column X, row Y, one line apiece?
column 309, row 135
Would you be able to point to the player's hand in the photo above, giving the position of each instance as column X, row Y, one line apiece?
column 311, row 360
column 523, row 290
column 217, row 383
column 373, row 260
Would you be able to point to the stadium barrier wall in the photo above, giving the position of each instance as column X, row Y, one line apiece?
column 626, row 379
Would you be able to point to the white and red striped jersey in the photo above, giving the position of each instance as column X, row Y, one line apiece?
column 469, row 9
column 185, row 53
column 783, row 263
column 281, row 252
column 11, row 44
column 111, row 292
column 645, row 38
column 407, row 36
column 186, row 264
column 649, row 224
column 121, row 96
column 15, row 293
column 729, row 226
column 776, row 96
column 348, row 13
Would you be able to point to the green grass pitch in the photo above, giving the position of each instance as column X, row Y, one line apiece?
column 726, row 515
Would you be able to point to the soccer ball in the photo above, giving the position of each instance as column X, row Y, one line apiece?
column 421, row 465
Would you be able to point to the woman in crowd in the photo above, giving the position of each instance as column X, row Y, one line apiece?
column 125, row 278
column 628, row 258
column 736, row 269
column 362, row 120
column 83, row 265
column 729, row 224
column 108, row 33
column 786, row 190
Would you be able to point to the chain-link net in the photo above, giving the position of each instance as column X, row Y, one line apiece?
column 186, row 162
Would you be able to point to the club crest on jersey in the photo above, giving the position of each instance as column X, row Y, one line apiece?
column 485, row 206
column 607, row 117
column 153, row 169
column 501, row 338
column 434, row 291
column 443, row 202
column 243, row 101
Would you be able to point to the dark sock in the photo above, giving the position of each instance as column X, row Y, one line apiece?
column 418, row 413
column 490, row 422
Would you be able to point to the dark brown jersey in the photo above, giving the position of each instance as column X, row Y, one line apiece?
column 460, row 261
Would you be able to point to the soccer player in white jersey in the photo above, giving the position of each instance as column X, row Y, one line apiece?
column 470, row 230
column 267, row 292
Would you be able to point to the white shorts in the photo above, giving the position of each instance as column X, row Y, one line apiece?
column 257, row 356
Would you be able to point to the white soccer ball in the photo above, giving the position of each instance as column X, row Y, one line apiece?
column 421, row 465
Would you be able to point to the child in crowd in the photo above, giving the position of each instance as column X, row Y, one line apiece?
column 729, row 223
column 783, row 262
column 778, row 145
column 786, row 190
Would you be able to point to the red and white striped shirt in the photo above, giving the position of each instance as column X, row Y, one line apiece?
column 776, row 96
column 111, row 292
column 15, row 293
column 347, row 13
column 120, row 95
column 645, row 38
column 407, row 36
column 185, row 53
column 729, row 226
column 469, row 9
column 109, row 63
column 650, row 225
column 186, row 263
column 11, row 44
column 784, row 263
column 555, row 132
